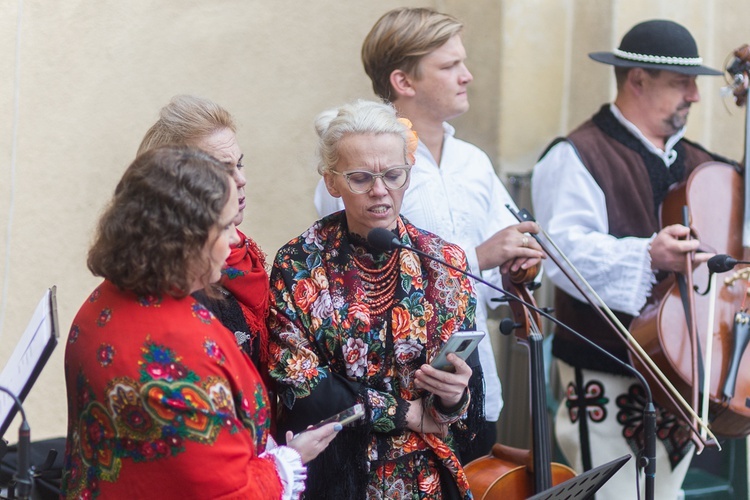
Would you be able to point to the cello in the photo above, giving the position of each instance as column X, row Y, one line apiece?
column 513, row 473
column 714, row 196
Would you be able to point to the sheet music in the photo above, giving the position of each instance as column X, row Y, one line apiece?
column 31, row 350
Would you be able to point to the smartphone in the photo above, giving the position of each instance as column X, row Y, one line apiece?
column 345, row 417
column 462, row 344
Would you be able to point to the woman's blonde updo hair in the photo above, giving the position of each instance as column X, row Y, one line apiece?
column 359, row 117
column 185, row 121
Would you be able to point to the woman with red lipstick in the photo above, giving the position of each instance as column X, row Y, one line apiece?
column 197, row 122
column 353, row 324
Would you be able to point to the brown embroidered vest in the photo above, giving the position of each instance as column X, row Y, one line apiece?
column 634, row 182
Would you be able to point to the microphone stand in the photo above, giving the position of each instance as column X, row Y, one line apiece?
column 24, row 475
column 648, row 460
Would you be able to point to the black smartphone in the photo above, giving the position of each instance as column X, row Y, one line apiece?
column 462, row 344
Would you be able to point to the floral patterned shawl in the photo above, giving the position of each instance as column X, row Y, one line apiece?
column 328, row 352
column 162, row 404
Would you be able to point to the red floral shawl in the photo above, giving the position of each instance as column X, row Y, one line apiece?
column 162, row 404
column 246, row 278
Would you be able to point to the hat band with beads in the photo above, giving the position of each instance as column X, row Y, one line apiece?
column 646, row 58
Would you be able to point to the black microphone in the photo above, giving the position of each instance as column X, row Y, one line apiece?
column 722, row 263
column 23, row 475
column 383, row 239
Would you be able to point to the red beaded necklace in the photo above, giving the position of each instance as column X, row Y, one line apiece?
column 379, row 284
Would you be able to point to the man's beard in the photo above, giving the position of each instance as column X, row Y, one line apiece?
column 677, row 120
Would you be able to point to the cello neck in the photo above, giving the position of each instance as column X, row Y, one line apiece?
column 541, row 441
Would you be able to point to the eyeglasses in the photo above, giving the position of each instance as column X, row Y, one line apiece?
column 362, row 181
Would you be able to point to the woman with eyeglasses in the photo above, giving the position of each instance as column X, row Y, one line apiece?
column 353, row 324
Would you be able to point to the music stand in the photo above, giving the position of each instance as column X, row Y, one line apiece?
column 29, row 357
column 584, row 485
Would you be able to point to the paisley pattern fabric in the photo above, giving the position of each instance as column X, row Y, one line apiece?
column 158, row 397
column 328, row 352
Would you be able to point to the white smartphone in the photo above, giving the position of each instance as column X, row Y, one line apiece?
column 462, row 344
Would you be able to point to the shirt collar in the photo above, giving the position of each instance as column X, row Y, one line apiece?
column 668, row 156
column 448, row 129
column 448, row 132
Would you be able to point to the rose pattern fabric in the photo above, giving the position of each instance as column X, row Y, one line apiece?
column 321, row 325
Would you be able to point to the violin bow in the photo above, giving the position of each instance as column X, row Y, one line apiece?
column 686, row 287
column 686, row 411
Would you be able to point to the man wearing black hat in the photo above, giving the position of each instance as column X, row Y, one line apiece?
column 597, row 193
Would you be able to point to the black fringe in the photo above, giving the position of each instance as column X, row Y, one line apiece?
column 341, row 470
column 466, row 429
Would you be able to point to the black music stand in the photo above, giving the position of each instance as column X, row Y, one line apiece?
column 584, row 485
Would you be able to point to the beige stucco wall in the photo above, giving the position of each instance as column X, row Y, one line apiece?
column 83, row 80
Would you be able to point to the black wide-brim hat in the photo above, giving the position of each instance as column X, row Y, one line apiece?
column 657, row 44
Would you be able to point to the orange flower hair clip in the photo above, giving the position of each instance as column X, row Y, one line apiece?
column 412, row 140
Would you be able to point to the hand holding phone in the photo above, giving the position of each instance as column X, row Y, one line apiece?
column 351, row 414
column 462, row 344
column 345, row 417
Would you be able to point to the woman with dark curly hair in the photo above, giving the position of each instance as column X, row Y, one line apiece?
column 159, row 396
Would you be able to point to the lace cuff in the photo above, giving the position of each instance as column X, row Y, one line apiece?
column 443, row 415
column 289, row 467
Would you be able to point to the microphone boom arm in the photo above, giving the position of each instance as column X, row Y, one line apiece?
column 389, row 242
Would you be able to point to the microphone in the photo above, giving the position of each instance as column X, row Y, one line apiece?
column 722, row 263
column 23, row 476
column 383, row 239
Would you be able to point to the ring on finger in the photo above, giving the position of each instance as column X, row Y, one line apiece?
column 525, row 241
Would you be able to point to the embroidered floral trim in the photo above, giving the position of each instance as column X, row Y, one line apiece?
column 105, row 354
column 75, row 331
column 203, row 314
column 149, row 301
column 594, row 402
column 104, row 317
column 674, row 435
column 95, row 295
